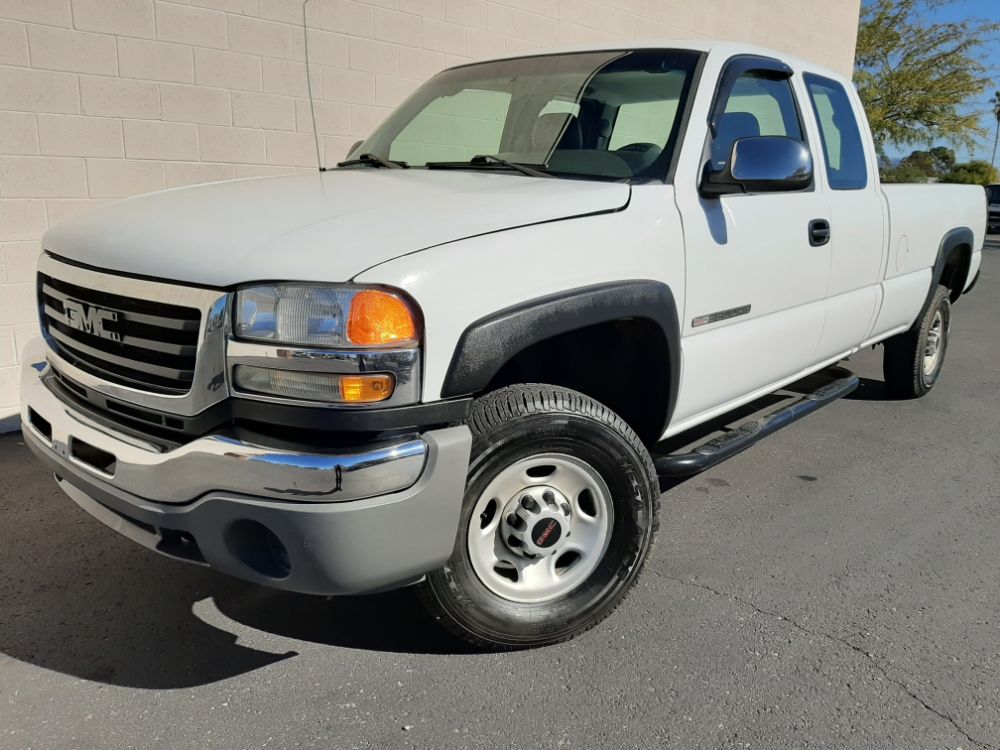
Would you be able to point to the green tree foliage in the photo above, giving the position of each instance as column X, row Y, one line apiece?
column 942, row 158
column 938, row 165
column 914, row 77
column 921, row 166
column 972, row 173
column 904, row 172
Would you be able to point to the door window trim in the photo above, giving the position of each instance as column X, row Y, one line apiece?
column 732, row 70
column 808, row 78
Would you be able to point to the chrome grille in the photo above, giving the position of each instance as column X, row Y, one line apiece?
column 139, row 343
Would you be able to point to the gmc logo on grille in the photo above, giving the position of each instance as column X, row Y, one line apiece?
column 90, row 319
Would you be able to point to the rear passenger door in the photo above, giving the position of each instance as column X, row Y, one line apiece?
column 756, row 284
column 857, row 216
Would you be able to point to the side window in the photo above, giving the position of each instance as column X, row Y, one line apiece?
column 454, row 128
column 759, row 103
column 644, row 122
column 846, row 167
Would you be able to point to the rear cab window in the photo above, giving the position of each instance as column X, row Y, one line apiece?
column 843, row 148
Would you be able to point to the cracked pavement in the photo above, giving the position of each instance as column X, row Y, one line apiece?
column 835, row 586
column 847, row 644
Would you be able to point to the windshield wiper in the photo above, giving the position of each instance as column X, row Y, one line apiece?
column 375, row 161
column 488, row 160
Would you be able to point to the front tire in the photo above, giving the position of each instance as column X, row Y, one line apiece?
column 559, row 514
column 913, row 360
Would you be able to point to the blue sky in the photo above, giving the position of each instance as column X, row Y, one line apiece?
column 956, row 11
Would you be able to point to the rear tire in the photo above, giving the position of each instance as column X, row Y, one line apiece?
column 913, row 360
column 576, row 489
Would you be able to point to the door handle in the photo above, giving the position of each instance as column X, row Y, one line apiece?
column 819, row 232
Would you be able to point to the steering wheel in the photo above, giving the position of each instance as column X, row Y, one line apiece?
column 639, row 148
column 639, row 155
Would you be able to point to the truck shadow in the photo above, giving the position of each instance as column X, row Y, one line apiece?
column 143, row 626
column 78, row 600
column 390, row 622
column 870, row 390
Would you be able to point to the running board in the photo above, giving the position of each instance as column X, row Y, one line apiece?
column 744, row 435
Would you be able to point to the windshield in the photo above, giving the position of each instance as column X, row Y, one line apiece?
column 595, row 115
column 993, row 193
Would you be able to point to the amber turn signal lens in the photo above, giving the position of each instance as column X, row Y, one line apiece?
column 328, row 387
column 378, row 319
column 365, row 389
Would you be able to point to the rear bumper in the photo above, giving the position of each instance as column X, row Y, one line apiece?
column 318, row 523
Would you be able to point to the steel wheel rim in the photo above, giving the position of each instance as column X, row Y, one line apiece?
column 935, row 343
column 503, row 569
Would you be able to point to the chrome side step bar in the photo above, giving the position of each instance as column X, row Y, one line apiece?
column 744, row 435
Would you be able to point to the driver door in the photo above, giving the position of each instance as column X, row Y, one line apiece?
column 756, row 274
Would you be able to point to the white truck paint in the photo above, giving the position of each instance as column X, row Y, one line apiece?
column 463, row 245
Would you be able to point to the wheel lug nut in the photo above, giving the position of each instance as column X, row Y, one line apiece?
column 549, row 497
column 529, row 503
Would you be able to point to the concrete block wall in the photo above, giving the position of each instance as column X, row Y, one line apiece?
column 103, row 99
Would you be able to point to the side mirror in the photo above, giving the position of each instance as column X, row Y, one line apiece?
column 353, row 148
column 761, row 164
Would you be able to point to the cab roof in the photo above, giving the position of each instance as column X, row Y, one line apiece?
column 719, row 48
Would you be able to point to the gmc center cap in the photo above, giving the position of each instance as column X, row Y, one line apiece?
column 546, row 532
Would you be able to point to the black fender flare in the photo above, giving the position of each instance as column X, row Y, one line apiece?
column 952, row 239
column 490, row 342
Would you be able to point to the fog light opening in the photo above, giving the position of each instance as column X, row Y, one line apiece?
column 259, row 548
column 92, row 456
column 40, row 423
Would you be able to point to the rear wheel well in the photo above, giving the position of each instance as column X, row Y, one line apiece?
column 955, row 272
column 623, row 364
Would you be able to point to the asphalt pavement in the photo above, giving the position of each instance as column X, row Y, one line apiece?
column 835, row 586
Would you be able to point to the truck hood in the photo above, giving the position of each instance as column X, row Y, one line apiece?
column 314, row 227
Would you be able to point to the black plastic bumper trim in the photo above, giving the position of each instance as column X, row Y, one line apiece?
column 370, row 420
column 170, row 430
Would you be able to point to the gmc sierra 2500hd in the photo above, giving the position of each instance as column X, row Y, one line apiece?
column 447, row 362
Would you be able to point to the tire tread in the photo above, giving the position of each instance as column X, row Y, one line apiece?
column 902, row 363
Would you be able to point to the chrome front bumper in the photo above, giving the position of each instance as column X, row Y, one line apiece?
column 319, row 523
column 208, row 463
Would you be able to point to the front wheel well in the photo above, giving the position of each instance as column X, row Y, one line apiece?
column 623, row 364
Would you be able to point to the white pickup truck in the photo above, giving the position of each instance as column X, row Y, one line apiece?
column 449, row 361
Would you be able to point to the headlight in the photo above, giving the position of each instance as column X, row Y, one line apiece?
column 324, row 316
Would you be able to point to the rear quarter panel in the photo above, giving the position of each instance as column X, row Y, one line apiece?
column 921, row 215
